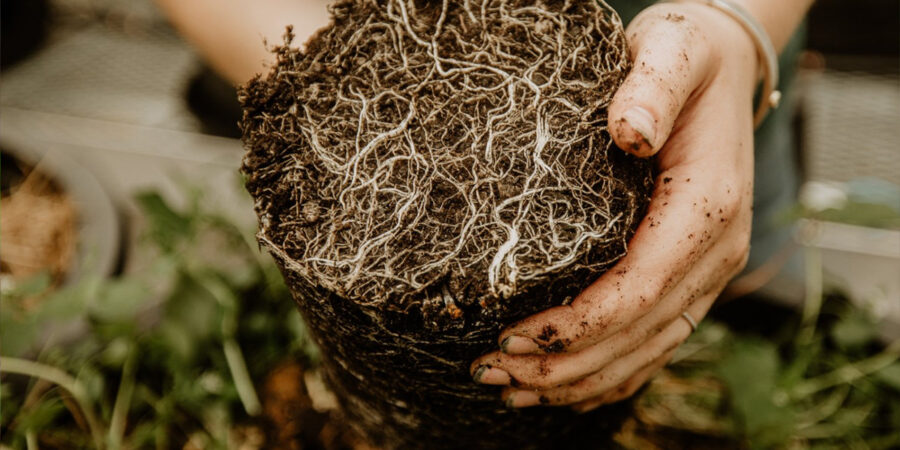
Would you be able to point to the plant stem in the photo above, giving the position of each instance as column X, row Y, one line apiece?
column 31, row 442
column 62, row 379
column 813, row 303
column 241, row 376
column 233, row 356
column 123, row 402
column 848, row 373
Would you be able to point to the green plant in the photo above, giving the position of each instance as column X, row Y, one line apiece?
column 825, row 380
column 169, row 355
column 169, row 352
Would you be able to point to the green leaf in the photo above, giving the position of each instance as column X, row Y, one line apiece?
column 175, row 342
column 10, row 404
column 16, row 335
column 193, row 307
column 798, row 362
column 29, row 287
column 93, row 381
column 751, row 373
column 890, row 375
column 167, row 227
column 854, row 330
column 119, row 301
column 116, row 352
column 40, row 416
column 862, row 214
column 71, row 301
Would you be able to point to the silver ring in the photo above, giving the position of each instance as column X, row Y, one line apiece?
column 690, row 320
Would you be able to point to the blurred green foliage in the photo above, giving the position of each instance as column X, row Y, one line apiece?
column 162, row 355
column 171, row 354
column 837, row 386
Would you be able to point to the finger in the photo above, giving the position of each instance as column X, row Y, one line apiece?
column 632, row 384
column 547, row 371
column 702, row 190
column 670, row 62
column 659, row 348
column 624, row 390
column 685, row 218
column 582, row 391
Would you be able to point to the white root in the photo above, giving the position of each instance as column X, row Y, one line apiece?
column 446, row 144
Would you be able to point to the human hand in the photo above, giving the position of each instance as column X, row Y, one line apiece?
column 689, row 98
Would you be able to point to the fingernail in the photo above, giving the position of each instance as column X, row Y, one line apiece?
column 523, row 399
column 642, row 122
column 492, row 376
column 517, row 345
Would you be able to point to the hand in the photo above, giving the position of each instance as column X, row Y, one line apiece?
column 689, row 98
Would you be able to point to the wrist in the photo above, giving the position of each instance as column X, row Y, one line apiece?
column 766, row 57
column 780, row 18
column 732, row 48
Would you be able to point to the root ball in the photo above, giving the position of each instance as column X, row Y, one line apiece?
column 450, row 152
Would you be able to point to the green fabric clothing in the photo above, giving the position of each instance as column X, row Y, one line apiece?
column 776, row 174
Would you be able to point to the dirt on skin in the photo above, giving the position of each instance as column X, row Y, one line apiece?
column 425, row 173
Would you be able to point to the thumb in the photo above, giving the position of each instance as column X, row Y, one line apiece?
column 669, row 64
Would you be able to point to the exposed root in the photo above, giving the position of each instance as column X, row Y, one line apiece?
column 452, row 147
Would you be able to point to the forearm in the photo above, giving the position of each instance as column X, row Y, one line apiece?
column 230, row 33
column 780, row 18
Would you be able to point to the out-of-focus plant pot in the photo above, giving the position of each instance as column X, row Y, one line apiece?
column 862, row 261
column 99, row 232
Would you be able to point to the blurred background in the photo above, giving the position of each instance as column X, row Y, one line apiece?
column 138, row 313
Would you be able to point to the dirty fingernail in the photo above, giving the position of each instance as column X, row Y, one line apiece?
column 522, row 399
column 514, row 345
column 492, row 375
column 642, row 122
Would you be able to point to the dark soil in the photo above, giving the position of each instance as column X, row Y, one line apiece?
column 427, row 173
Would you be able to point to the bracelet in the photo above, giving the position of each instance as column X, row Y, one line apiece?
column 768, row 58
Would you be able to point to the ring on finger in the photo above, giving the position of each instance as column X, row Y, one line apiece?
column 690, row 320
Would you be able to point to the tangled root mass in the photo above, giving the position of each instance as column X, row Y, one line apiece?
column 453, row 151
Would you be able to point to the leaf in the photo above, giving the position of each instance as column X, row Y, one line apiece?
column 863, row 214
column 890, row 375
column 10, row 406
column 175, row 342
column 167, row 227
column 71, row 301
column 93, row 381
column 119, row 301
column 195, row 309
column 40, row 416
column 751, row 374
column 799, row 361
column 29, row 287
column 16, row 336
column 854, row 330
column 116, row 352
